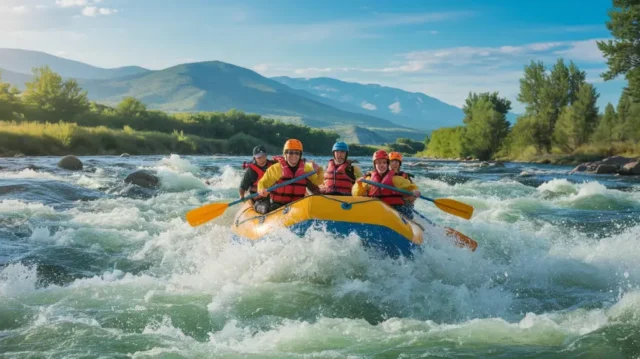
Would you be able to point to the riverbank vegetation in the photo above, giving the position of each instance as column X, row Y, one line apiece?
column 562, row 122
column 54, row 116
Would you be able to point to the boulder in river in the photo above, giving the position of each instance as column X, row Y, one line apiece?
column 143, row 179
column 71, row 163
column 610, row 165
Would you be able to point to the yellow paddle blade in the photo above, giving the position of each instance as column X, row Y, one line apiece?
column 454, row 207
column 203, row 214
column 462, row 240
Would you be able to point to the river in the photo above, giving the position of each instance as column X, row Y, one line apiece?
column 91, row 267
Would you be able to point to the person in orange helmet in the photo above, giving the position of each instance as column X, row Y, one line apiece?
column 288, row 166
column 383, row 174
column 395, row 162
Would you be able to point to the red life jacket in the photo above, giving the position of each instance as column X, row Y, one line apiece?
column 291, row 192
column 254, row 166
column 337, row 180
column 388, row 196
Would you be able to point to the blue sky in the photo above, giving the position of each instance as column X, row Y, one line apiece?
column 443, row 49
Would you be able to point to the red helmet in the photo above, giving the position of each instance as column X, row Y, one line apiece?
column 380, row 155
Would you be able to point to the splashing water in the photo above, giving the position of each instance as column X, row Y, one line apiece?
column 92, row 267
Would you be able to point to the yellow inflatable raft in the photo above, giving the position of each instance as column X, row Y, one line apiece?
column 376, row 223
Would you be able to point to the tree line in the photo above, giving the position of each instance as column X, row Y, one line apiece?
column 48, row 99
column 561, row 113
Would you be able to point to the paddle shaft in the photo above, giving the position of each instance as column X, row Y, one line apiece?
column 408, row 193
column 274, row 187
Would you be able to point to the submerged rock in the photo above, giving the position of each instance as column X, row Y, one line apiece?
column 71, row 163
column 610, row 165
column 143, row 179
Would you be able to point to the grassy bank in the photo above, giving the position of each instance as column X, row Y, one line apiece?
column 38, row 139
column 586, row 153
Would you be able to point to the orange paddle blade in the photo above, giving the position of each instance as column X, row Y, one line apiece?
column 454, row 207
column 462, row 240
column 203, row 214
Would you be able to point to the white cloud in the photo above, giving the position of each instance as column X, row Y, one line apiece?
column 22, row 9
column 449, row 74
column 368, row 106
column 71, row 3
column 395, row 107
column 90, row 11
column 93, row 11
column 107, row 11
column 260, row 68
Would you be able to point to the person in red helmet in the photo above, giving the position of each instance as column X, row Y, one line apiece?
column 383, row 174
column 288, row 166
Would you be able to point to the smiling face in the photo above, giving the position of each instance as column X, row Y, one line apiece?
column 381, row 165
column 292, row 157
column 339, row 156
column 394, row 165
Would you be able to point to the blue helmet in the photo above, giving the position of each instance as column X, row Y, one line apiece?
column 340, row 146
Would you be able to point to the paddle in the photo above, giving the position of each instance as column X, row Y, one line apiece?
column 450, row 206
column 203, row 214
column 462, row 240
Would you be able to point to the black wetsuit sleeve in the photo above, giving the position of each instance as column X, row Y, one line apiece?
column 249, row 177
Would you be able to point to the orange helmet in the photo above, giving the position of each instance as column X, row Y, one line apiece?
column 380, row 155
column 292, row 144
column 395, row 156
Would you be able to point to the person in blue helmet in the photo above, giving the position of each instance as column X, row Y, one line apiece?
column 340, row 174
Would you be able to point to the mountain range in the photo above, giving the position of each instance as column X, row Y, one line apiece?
column 367, row 114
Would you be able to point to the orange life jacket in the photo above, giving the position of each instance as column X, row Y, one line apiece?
column 291, row 192
column 254, row 166
column 336, row 179
column 388, row 196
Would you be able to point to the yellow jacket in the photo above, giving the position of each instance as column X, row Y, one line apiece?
column 273, row 174
column 362, row 189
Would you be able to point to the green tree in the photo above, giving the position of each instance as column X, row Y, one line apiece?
column 48, row 92
column 577, row 122
column 623, row 52
column 9, row 101
column 131, row 107
column 446, row 142
column 486, row 124
column 606, row 130
column 501, row 105
column 545, row 95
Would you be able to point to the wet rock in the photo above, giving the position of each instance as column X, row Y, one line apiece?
column 631, row 168
column 579, row 168
column 606, row 169
column 19, row 155
column 618, row 161
column 125, row 155
column 71, row 163
column 610, row 165
column 484, row 164
column 143, row 179
column 525, row 174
